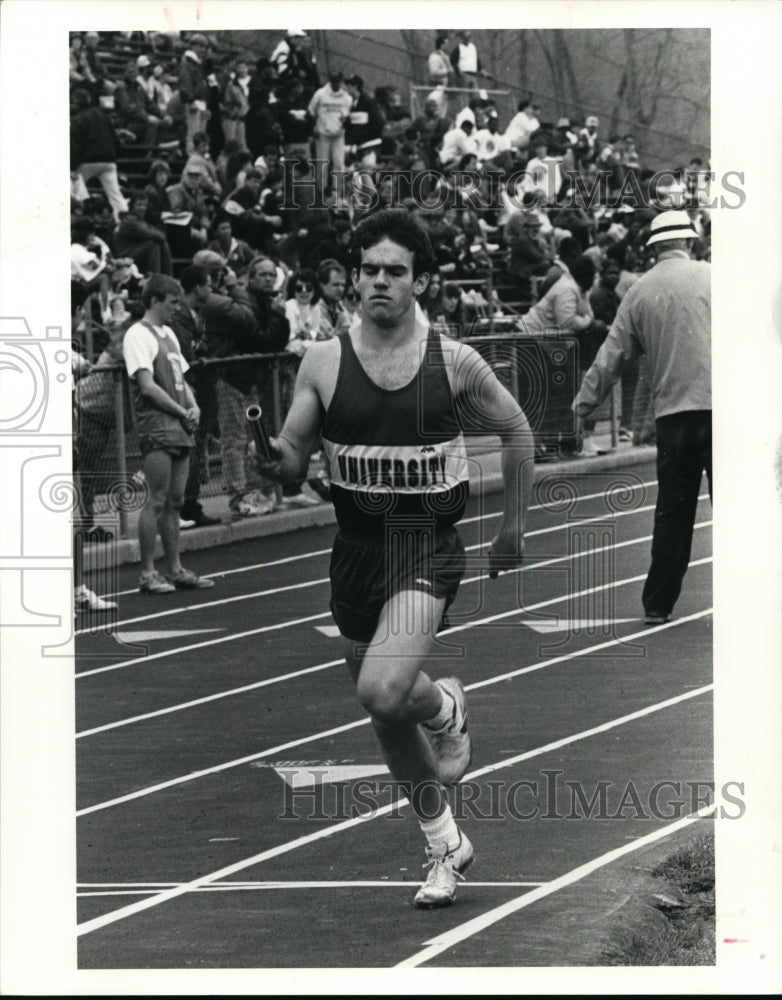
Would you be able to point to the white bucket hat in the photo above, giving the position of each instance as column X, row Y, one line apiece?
column 671, row 226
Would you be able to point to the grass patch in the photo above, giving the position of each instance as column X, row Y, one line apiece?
column 683, row 892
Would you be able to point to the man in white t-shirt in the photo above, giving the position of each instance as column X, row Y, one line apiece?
column 457, row 142
column 523, row 124
column 166, row 417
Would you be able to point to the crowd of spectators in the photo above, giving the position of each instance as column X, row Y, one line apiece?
column 251, row 171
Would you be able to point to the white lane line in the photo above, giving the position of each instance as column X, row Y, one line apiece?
column 466, row 930
column 255, row 886
column 212, row 697
column 175, row 650
column 174, row 892
column 323, row 552
column 200, row 645
column 227, row 765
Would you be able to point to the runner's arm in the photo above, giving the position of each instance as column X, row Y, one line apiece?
column 489, row 407
column 300, row 432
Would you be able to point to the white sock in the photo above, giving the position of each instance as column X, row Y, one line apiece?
column 443, row 828
column 445, row 716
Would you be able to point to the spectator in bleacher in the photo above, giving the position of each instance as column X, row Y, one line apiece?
column 465, row 60
column 89, row 262
column 453, row 312
column 93, row 151
column 237, row 254
column 568, row 251
column 523, row 124
column 431, row 301
column 158, row 200
column 438, row 64
column 603, row 297
column 365, row 123
column 330, row 108
column 565, row 306
column 457, row 142
column 145, row 78
column 332, row 318
column 235, row 102
column 96, row 75
column 431, row 126
column 491, row 142
column 295, row 121
column 285, row 57
column 542, row 172
column 187, row 196
column 249, row 221
column 80, row 74
column 309, row 224
column 187, row 322
column 260, row 125
column 230, row 329
column 161, row 89
column 630, row 158
column 268, row 305
column 300, row 312
column 134, row 109
column 200, row 159
column 193, row 88
column 136, row 238
column 588, row 147
column 529, row 255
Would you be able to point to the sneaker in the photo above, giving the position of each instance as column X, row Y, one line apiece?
column 248, row 508
column 452, row 747
column 654, row 618
column 204, row 520
column 300, row 500
column 445, row 870
column 154, row 583
column 184, row 524
column 86, row 600
column 186, row 579
column 624, row 434
column 588, row 449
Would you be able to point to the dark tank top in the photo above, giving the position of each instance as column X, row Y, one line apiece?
column 395, row 454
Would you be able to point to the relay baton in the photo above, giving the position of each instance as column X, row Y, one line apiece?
column 262, row 443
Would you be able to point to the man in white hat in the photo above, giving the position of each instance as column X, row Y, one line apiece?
column 666, row 315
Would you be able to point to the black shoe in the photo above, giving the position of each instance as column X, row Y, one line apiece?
column 203, row 520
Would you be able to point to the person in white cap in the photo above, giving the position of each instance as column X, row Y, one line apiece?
column 666, row 315
column 587, row 146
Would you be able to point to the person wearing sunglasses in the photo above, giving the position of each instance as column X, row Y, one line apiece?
column 303, row 293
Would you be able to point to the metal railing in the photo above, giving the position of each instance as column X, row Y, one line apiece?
column 541, row 373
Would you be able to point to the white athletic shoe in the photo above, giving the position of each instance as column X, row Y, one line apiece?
column 451, row 746
column 87, row 600
column 446, row 869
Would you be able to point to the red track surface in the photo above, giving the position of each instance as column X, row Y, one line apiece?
column 186, row 857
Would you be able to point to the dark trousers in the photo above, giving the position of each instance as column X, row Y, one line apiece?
column 683, row 452
column 203, row 386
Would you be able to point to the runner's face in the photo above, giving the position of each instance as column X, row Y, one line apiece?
column 386, row 283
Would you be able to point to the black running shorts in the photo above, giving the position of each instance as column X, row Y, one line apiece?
column 365, row 573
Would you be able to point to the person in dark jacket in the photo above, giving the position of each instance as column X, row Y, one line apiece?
column 188, row 324
column 134, row 108
column 295, row 121
column 144, row 243
column 365, row 124
column 193, row 89
column 231, row 329
column 94, row 151
column 158, row 200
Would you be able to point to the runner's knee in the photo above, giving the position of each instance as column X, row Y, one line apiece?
column 386, row 698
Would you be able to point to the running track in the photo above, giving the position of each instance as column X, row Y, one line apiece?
column 195, row 852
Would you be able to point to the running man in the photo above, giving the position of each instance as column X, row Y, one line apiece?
column 390, row 399
column 167, row 416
